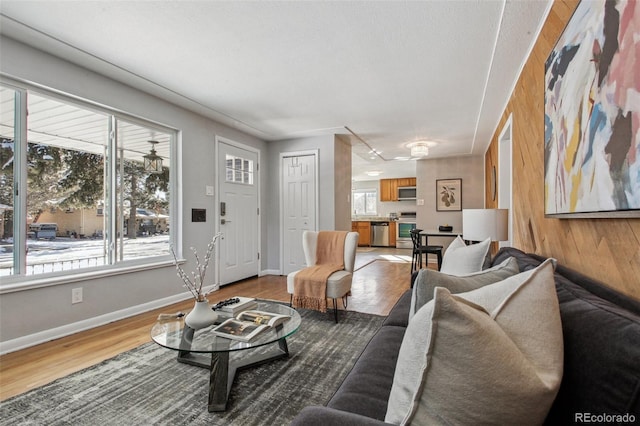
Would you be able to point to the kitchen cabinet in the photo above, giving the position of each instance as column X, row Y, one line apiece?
column 389, row 187
column 392, row 234
column 406, row 181
column 364, row 229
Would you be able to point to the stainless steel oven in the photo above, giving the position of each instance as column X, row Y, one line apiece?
column 406, row 222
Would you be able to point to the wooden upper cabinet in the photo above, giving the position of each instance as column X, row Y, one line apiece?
column 388, row 189
column 406, row 181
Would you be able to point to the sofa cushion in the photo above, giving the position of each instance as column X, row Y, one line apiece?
column 601, row 330
column 398, row 315
column 428, row 279
column 461, row 259
column 489, row 356
column 602, row 356
column 366, row 388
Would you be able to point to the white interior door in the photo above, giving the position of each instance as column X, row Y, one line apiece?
column 299, row 190
column 239, row 245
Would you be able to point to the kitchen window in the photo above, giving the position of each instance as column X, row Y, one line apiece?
column 365, row 202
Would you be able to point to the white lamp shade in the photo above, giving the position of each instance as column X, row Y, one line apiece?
column 480, row 224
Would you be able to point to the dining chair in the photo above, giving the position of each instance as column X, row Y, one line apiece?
column 419, row 249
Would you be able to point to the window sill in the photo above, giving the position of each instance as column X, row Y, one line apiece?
column 15, row 284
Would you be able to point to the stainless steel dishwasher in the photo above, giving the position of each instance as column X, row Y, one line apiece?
column 380, row 234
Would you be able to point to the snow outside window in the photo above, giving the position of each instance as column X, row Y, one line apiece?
column 88, row 201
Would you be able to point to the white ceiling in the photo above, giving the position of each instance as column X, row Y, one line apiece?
column 383, row 73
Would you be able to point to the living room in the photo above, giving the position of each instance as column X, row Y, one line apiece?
column 604, row 249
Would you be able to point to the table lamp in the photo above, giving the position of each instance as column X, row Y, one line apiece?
column 480, row 224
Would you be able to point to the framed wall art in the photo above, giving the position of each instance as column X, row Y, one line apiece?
column 592, row 114
column 448, row 195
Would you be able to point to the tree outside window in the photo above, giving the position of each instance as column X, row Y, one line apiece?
column 85, row 179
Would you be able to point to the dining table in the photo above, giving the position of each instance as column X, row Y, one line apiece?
column 435, row 233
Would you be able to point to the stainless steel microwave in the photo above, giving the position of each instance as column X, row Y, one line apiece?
column 406, row 193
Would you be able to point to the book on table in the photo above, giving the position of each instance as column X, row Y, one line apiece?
column 235, row 305
column 248, row 324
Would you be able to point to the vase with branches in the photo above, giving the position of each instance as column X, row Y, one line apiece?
column 194, row 282
column 202, row 315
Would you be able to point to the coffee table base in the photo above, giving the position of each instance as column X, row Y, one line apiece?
column 222, row 371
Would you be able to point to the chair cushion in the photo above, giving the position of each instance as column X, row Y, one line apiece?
column 338, row 284
column 461, row 259
column 428, row 279
column 493, row 355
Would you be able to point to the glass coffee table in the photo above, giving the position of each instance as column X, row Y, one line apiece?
column 203, row 348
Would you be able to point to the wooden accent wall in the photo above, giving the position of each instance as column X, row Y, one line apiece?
column 605, row 249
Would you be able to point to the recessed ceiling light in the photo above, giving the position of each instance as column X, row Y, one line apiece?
column 374, row 173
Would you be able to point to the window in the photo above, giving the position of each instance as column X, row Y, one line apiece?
column 239, row 170
column 87, row 199
column 365, row 202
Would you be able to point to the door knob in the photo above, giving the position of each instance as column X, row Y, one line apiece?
column 223, row 221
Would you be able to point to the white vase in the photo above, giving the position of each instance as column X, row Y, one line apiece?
column 201, row 316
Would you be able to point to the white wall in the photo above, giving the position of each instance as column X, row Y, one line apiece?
column 469, row 169
column 48, row 310
column 342, row 190
column 334, row 187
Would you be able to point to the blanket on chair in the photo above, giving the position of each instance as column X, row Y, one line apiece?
column 310, row 284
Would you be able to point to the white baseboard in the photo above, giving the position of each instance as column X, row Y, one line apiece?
column 68, row 329
column 270, row 272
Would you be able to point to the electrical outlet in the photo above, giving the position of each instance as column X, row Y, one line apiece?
column 76, row 295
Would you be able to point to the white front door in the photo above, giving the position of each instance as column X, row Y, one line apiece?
column 238, row 247
column 299, row 187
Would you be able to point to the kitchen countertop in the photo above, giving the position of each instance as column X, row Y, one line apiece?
column 372, row 219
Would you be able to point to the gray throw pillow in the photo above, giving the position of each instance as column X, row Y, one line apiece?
column 493, row 355
column 428, row 279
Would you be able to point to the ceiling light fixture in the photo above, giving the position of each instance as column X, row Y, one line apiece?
column 420, row 149
column 374, row 173
column 152, row 161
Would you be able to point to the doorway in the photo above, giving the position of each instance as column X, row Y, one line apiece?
column 505, row 181
column 238, row 214
column 298, row 205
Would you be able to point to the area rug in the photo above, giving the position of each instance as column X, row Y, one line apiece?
column 147, row 386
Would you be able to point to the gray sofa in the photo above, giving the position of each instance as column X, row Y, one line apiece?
column 601, row 332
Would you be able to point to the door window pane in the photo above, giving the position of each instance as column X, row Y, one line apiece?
column 239, row 170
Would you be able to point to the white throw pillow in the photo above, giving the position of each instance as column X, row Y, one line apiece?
column 489, row 356
column 461, row 259
column 428, row 279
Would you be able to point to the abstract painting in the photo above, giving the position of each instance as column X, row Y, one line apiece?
column 592, row 113
column 448, row 194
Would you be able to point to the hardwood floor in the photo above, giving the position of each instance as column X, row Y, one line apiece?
column 381, row 276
